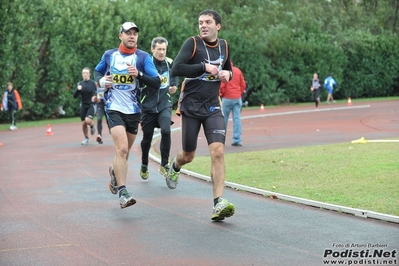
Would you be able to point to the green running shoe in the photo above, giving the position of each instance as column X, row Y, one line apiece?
column 222, row 209
column 163, row 170
column 172, row 177
column 144, row 172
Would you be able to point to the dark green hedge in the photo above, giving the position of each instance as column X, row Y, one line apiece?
column 277, row 44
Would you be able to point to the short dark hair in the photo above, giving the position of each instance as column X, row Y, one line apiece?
column 159, row 40
column 214, row 14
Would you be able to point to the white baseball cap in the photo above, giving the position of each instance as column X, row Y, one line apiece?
column 127, row 26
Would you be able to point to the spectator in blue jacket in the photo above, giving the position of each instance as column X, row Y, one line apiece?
column 330, row 84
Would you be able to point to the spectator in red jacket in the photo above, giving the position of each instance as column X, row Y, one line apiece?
column 231, row 93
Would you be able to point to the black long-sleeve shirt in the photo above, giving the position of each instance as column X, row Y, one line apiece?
column 88, row 90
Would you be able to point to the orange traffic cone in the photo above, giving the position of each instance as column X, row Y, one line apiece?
column 262, row 107
column 49, row 132
column 349, row 101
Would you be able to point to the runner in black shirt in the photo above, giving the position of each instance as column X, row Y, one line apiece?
column 87, row 89
column 157, row 108
column 205, row 62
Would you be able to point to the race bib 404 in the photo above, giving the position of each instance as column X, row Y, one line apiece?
column 122, row 79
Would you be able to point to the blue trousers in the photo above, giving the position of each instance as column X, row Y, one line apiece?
column 234, row 106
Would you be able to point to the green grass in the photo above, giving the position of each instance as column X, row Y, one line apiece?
column 363, row 176
column 23, row 124
column 354, row 101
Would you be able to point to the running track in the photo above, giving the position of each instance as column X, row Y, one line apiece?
column 56, row 208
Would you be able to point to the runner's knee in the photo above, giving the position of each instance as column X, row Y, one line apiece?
column 188, row 157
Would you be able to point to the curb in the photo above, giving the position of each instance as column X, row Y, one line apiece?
column 266, row 193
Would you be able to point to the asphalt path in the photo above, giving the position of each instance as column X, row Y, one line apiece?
column 56, row 209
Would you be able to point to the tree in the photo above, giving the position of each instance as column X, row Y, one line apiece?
column 278, row 44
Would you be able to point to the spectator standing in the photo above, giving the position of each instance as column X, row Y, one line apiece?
column 330, row 84
column 231, row 93
column 315, row 88
column 11, row 103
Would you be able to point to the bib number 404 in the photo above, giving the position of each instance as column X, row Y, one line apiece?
column 122, row 79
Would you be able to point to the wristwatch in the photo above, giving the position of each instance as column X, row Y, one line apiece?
column 140, row 75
